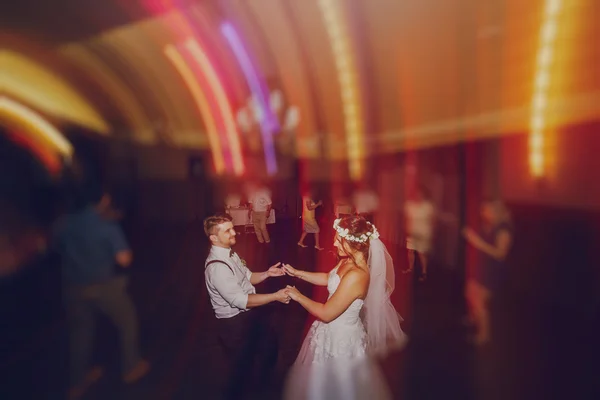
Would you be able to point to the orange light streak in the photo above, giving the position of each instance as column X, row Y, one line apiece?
column 224, row 107
column 27, row 120
column 186, row 73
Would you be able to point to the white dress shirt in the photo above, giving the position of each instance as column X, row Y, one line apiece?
column 260, row 200
column 420, row 217
column 228, row 290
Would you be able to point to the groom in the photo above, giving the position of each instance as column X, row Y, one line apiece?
column 244, row 333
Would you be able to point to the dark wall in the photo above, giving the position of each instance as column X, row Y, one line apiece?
column 557, row 217
column 555, row 258
column 26, row 188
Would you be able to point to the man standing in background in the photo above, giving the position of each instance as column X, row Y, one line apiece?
column 260, row 210
column 92, row 247
column 420, row 214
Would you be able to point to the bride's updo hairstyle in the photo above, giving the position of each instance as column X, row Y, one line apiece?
column 355, row 233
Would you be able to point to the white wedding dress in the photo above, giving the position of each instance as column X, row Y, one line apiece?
column 333, row 362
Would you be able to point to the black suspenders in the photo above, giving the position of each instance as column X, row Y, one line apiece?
column 220, row 261
column 228, row 266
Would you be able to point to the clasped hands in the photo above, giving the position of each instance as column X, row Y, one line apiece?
column 289, row 292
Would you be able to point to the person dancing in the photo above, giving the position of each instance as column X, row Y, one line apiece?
column 244, row 331
column 309, row 222
column 490, row 272
column 420, row 215
column 335, row 361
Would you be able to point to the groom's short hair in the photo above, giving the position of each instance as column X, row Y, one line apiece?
column 211, row 223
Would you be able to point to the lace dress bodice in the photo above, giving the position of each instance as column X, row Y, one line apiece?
column 351, row 316
column 333, row 363
column 345, row 336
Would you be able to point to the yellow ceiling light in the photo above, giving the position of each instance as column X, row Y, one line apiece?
column 19, row 117
column 24, row 79
column 349, row 85
column 537, row 162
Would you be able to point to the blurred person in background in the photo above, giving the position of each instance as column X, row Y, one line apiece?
column 366, row 202
column 309, row 222
column 493, row 245
column 91, row 247
column 261, row 205
column 420, row 215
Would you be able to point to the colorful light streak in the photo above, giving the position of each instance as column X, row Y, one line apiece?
column 255, row 80
column 49, row 159
column 348, row 80
column 269, row 123
column 33, row 123
column 222, row 101
column 186, row 73
column 541, row 83
column 40, row 87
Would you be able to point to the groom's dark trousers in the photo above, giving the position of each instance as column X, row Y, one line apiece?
column 251, row 348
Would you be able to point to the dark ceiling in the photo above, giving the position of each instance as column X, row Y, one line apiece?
column 59, row 21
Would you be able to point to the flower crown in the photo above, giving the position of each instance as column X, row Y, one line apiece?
column 344, row 233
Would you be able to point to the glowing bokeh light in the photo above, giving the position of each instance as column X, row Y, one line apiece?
column 187, row 75
column 49, row 159
column 32, row 82
column 224, row 107
column 268, row 120
column 548, row 33
column 19, row 116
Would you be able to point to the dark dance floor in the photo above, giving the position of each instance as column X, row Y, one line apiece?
column 540, row 352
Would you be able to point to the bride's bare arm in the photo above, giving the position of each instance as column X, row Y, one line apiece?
column 353, row 286
column 316, row 278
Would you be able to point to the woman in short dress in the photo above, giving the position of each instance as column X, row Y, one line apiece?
column 309, row 222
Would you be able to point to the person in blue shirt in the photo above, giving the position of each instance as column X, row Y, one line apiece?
column 92, row 249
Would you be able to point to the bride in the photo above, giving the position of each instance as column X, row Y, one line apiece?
column 357, row 321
